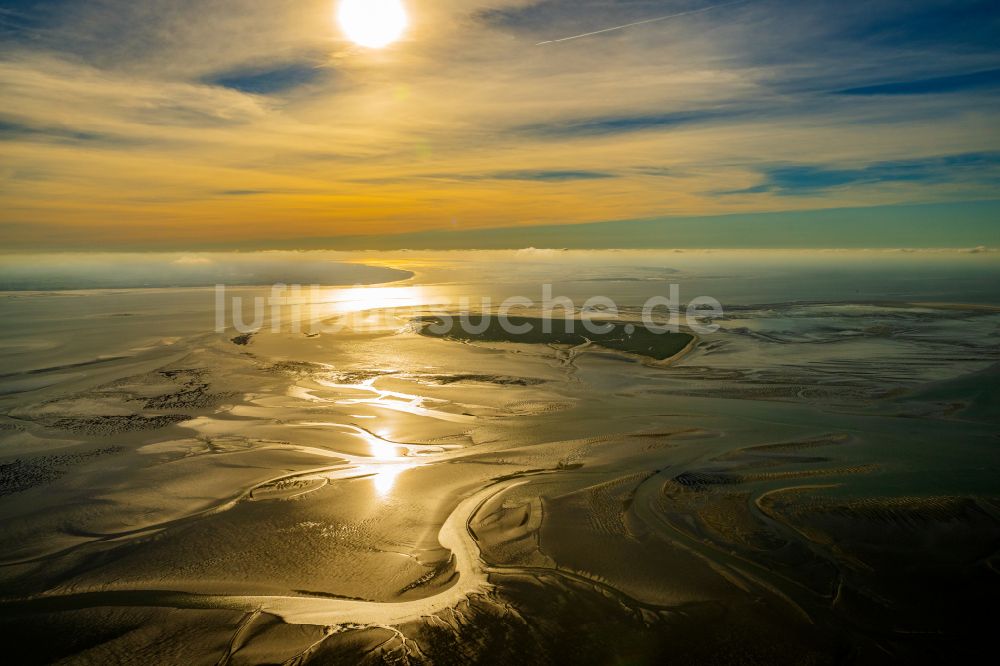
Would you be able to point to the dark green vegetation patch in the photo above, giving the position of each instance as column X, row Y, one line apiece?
column 631, row 337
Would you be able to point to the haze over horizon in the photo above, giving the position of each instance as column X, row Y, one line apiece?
column 245, row 124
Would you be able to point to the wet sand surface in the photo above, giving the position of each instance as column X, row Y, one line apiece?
column 816, row 482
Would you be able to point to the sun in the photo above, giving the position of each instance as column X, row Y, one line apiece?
column 372, row 23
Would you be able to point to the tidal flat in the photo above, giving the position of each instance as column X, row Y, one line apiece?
column 818, row 481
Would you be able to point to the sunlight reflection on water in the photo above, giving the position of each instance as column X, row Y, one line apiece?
column 386, row 477
column 359, row 299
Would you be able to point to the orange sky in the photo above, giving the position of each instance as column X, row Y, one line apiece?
column 245, row 119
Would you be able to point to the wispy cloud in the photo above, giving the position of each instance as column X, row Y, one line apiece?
column 636, row 24
column 551, row 176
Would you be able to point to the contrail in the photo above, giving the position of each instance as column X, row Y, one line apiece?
column 652, row 20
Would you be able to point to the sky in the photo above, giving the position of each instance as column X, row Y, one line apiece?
column 146, row 124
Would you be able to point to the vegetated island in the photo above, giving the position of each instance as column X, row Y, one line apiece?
column 622, row 336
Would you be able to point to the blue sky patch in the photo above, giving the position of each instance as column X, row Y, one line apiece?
column 268, row 81
column 937, row 85
column 791, row 180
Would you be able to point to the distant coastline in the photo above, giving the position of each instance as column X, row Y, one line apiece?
column 84, row 271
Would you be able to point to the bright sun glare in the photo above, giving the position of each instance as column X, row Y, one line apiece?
column 372, row 23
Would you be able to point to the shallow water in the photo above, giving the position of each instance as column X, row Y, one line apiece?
column 818, row 479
